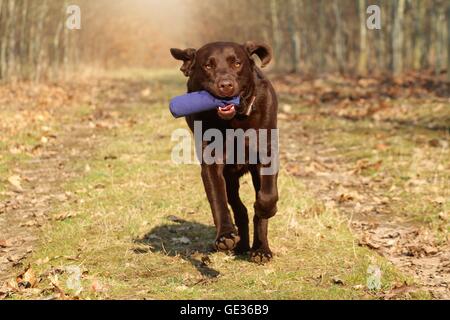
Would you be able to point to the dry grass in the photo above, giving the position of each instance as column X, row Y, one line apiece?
column 121, row 235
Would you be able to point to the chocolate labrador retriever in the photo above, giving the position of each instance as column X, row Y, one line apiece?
column 227, row 69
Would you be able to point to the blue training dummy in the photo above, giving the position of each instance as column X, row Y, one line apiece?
column 199, row 101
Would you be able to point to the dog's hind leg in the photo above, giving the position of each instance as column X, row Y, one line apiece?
column 240, row 212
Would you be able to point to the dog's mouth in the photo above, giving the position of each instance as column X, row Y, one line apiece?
column 227, row 112
column 230, row 110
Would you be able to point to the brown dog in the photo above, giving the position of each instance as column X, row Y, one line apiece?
column 226, row 69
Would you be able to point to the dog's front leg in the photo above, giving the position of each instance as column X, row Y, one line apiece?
column 265, row 208
column 215, row 187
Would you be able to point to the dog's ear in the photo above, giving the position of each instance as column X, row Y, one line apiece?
column 262, row 50
column 188, row 58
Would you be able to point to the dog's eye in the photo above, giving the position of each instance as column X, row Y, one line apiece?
column 237, row 64
column 208, row 67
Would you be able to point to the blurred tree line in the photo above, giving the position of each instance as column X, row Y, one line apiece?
column 36, row 44
column 331, row 36
column 30, row 42
column 308, row 36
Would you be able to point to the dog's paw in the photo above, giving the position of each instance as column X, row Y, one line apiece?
column 227, row 242
column 261, row 256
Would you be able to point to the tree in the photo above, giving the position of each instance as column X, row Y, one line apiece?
column 338, row 38
column 448, row 41
column 276, row 32
column 294, row 34
column 397, row 38
column 308, row 36
column 439, row 26
column 419, row 34
column 363, row 52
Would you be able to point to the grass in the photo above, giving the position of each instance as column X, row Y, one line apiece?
column 414, row 157
column 11, row 160
column 121, row 236
column 415, row 171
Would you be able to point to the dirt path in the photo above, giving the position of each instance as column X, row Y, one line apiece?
column 30, row 201
column 339, row 184
column 311, row 150
column 30, row 208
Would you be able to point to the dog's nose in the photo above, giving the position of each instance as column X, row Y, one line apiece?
column 226, row 87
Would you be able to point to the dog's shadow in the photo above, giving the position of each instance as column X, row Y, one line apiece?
column 191, row 241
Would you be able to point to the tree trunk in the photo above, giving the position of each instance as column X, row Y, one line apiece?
column 419, row 43
column 338, row 38
column 448, row 42
column 66, row 47
column 57, row 41
column 40, row 42
column 23, row 41
column 363, row 52
column 294, row 35
column 276, row 32
column 32, row 40
column 440, row 26
column 12, row 41
column 322, row 29
column 2, row 43
column 397, row 41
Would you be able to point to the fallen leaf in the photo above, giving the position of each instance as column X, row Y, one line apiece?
column 4, row 293
column 31, row 292
column 16, row 183
column 4, row 243
column 366, row 241
column 7, row 288
column 42, row 261
column 16, row 258
column 30, row 223
column 382, row 146
column 54, row 280
column 286, row 108
column 358, row 287
column 439, row 200
column 97, row 286
column 146, row 92
column 338, row 281
column 63, row 216
column 27, row 279
column 430, row 250
column 399, row 290
column 61, row 197
column 16, row 150
column 434, row 143
column 345, row 198
column 443, row 216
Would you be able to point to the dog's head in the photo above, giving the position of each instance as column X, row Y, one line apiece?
column 224, row 69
